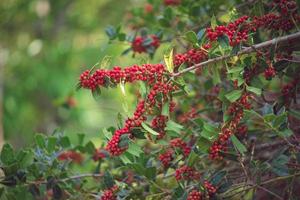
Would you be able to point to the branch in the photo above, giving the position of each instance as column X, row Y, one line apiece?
column 251, row 186
column 69, row 178
column 247, row 50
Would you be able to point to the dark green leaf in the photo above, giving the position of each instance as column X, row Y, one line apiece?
column 238, row 145
column 7, row 154
column 150, row 130
column 234, row 95
column 90, row 148
column 40, row 141
column 191, row 37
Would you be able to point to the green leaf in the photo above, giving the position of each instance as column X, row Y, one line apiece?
column 279, row 166
column 150, row 173
column 193, row 157
column 285, row 133
column 107, row 134
column 125, row 158
column 65, row 142
column 164, row 22
column 213, row 22
column 235, row 69
column 173, row 126
column 224, row 42
column 7, row 154
column 166, row 109
column 26, row 159
column 40, row 140
column 124, row 141
column 143, row 89
column 138, row 168
column 80, row 138
column 208, row 135
column 294, row 113
column 134, row 149
column 150, row 130
column 90, row 147
column 96, row 93
column 255, row 90
column 203, row 144
column 200, row 35
column 108, row 180
column 169, row 61
column 111, row 32
column 238, row 145
column 51, row 143
column 234, row 95
column 217, row 178
column 121, row 36
column 216, row 75
column 191, row 37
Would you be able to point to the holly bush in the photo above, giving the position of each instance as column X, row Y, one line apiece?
column 217, row 118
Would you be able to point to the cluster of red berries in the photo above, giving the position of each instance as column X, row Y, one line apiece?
column 194, row 195
column 242, row 130
column 269, row 72
column 113, row 145
column 239, row 30
column 109, row 194
column 172, row 2
column 142, row 44
column 71, row 155
column 234, row 31
column 158, row 124
column 183, row 146
column 99, row 154
column 209, row 188
column 283, row 20
column 154, row 76
column 148, row 8
column 129, row 178
column 249, row 73
column 192, row 114
column 191, row 57
column 102, row 78
column 186, row 173
column 166, row 157
column 236, row 109
column 288, row 91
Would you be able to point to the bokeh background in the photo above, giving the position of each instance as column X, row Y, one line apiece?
column 44, row 46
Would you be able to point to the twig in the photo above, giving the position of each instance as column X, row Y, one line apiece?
column 270, row 192
column 247, row 50
column 69, row 178
column 251, row 186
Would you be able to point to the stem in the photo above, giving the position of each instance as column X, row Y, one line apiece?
column 270, row 192
column 246, row 50
column 70, row 178
column 1, row 101
column 251, row 186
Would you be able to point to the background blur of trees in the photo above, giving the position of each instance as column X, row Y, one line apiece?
column 44, row 46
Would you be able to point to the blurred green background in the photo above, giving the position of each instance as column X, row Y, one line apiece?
column 44, row 46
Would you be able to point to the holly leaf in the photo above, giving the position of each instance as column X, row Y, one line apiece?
column 234, row 95
column 238, row 145
column 150, row 130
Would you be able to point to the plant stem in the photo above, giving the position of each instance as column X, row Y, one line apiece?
column 246, row 50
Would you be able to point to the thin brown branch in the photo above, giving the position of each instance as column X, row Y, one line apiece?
column 247, row 50
column 270, row 192
column 251, row 185
column 69, row 178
